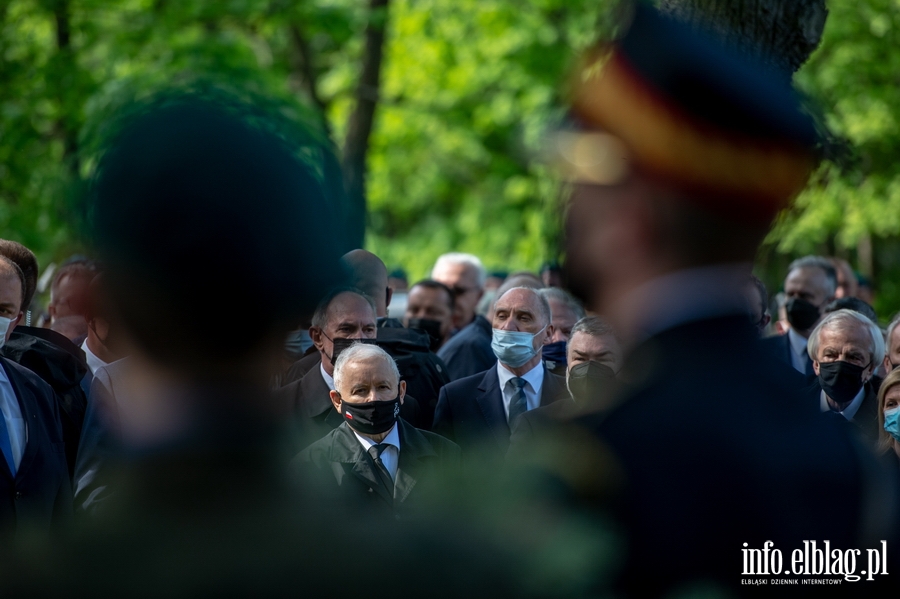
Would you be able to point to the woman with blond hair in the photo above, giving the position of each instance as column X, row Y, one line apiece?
column 889, row 414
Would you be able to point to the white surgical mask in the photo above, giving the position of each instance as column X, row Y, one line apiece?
column 514, row 348
column 4, row 327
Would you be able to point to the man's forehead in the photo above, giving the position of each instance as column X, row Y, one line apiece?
column 367, row 369
column 806, row 275
column 350, row 306
column 845, row 333
column 587, row 343
column 520, row 300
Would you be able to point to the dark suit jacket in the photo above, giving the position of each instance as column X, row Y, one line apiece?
column 315, row 414
column 470, row 411
column 780, row 347
column 347, row 473
column 865, row 421
column 469, row 351
column 40, row 495
column 716, row 451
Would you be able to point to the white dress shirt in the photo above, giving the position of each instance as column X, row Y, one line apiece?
column 534, row 378
column 329, row 380
column 799, row 354
column 93, row 361
column 850, row 411
column 391, row 455
column 12, row 418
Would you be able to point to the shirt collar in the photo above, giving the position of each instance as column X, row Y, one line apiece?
column 534, row 377
column 393, row 438
column 850, row 411
column 93, row 362
column 798, row 343
column 329, row 380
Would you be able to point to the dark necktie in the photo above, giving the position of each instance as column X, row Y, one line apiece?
column 375, row 451
column 6, row 446
column 519, row 404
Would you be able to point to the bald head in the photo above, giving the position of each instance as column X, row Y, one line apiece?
column 369, row 274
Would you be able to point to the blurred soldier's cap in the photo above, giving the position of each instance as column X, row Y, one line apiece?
column 670, row 102
column 215, row 230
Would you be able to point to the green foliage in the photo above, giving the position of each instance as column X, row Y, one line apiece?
column 853, row 76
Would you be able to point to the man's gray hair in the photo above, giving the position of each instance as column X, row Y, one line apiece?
column 845, row 318
column 358, row 352
column 889, row 332
column 461, row 258
column 320, row 316
column 823, row 264
column 593, row 326
column 565, row 298
column 543, row 304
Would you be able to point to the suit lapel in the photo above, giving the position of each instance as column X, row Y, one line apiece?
column 553, row 388
column 413, row 447
column 314, row 398
column 346, row 449
column 490, row 401
column 29, row 415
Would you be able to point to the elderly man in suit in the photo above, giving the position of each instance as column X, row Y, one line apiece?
column 478, row 411
column 374, row 457
column 846, row 349
column 35, row 489
column 345, row 316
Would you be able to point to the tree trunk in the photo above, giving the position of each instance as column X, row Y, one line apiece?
column 356, row 143
column 67, row 67
column 783, row 33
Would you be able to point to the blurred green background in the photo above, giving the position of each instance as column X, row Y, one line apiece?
column 467, row 91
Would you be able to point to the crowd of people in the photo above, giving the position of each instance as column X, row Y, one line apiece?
column 226, row 401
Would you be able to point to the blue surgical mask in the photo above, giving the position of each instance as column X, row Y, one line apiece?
column 514, row 348
column 298, row 342
column 892, row 422
column 4, row 326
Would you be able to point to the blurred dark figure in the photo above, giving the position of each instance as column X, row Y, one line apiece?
column 375, row 459
column 847, row 285
column 846, row 349
column 49, row 354
column 552, row 274
column 865, row 289
column 411, row 348
column 700, row 151
column 852, row 303
column 478, row 412
column 35, row 488
column 69, row 295
column 343, row 317
column 758, row 304
column 565, row 311
column 809, row 286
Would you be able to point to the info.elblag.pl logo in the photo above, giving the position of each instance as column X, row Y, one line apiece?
column 814, row 563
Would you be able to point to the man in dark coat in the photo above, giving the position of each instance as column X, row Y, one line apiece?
column 35, row 487
column 715, row 453
column 347, row 458
column 478, row 411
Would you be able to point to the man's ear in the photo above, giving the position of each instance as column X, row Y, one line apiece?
column 335, row 400
column 315, row 333
column 388, row 294
column 816, row 367
column 548, row 334
column 402, row 388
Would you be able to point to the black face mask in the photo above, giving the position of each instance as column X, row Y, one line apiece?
column 341, row 344
column 801, row 314
column 841, row 380
column 432, row 327
column 372, row 417
column 587, row 379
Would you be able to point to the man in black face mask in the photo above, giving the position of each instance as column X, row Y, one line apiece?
column 594, row 357
column 375, row 457
column 810, row 284
column 845, row 349
column 429, row 308
column 345, row 316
